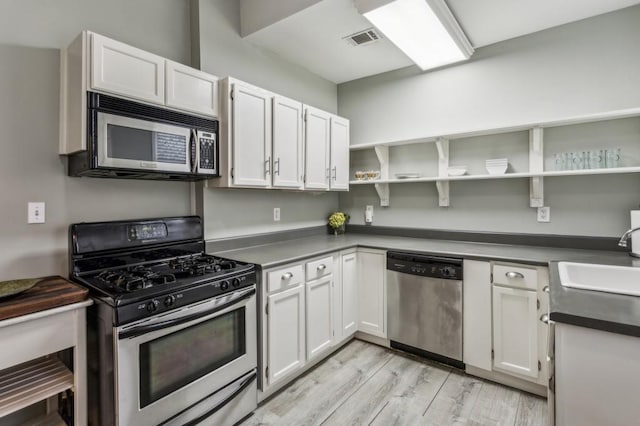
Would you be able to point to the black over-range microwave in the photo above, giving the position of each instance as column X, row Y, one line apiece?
column 127, row 139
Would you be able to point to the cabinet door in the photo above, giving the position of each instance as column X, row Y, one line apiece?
column 339, row 153
column 251, row 137
column 317, row 137
column 319, row 316
column 349, row 294
column 371, row 292
column 476, row 314
column 124, row 70
column 515, row 331
column 285, row 332
column 287, row 143
column 191, row 90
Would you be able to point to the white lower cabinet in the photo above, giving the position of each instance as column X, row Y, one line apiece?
column 372, row 306
column 519, row 337
column 596, row 377
column 476, row 314
column 349, row 290
column 515, row 331
column 319, row 300
column 285, row 333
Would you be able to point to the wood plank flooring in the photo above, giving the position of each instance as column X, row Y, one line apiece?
column 365, row 384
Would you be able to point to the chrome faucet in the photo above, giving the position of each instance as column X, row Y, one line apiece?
column 626, row 235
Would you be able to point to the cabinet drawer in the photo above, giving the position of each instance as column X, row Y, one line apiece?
column 284, row 277
column 319, row 268
column 515, row 276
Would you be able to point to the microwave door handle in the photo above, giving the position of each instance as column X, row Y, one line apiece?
column 138, row 331
column 194, row 151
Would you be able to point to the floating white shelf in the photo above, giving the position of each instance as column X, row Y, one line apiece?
column 618, row 170
column 588, row 118
column 31, row 382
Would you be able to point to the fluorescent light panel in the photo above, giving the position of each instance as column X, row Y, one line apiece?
column 415, row 28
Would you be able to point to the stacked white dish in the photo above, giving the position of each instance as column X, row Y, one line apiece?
column 497, row 166
column 457, row 170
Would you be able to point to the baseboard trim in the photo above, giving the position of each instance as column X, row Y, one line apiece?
column 507, row 380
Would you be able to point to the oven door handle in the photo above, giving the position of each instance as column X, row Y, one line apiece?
column 138, row 331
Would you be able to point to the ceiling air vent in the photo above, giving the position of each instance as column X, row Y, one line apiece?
column 363, row 37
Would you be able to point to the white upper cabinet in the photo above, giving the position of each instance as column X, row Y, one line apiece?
column 339, row 153
column 94, row 63
column 251, row 136
column 191, row 90
column 318, row 136
column 125, row 70
column 273, row 142
column 287, row 143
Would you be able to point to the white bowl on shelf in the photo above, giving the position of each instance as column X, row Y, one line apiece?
column 457, row 170
column 497, row 166
column 497, row 170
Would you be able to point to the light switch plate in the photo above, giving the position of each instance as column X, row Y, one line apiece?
column 544, row 214
column 276, row 214
column 368, row 214
column 35, row 212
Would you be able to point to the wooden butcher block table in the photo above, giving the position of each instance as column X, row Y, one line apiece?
column 49, row 293
column 35, row 326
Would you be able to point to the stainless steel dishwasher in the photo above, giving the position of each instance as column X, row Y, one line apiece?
column 424, row 305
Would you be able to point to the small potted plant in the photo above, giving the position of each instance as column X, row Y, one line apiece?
column 337, row 222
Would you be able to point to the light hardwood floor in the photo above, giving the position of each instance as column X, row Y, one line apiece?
column 365, row 384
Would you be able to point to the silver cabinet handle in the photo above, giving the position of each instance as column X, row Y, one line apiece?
column 321, row 267
column 512, row 274
column 545, row 289
column 287, row 276
column 267, row 166
column 276, row 170
column 544, row 318
column 335, row 172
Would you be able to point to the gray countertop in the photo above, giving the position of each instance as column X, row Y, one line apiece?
column 604, row 311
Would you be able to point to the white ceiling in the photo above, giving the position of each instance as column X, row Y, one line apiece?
column 313, row 37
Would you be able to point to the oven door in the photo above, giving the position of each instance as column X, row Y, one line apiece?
column 130, row 143
column 174, row 365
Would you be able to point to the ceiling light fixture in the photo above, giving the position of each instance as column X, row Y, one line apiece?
column 425, row 30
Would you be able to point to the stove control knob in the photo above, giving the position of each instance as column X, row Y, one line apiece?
column 224, row 285
column 152, row 306
column 169, row 301
column 235, row 282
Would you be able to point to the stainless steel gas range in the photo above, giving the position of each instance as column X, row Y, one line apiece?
column 172, row 335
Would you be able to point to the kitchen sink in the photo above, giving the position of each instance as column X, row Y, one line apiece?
column 607, row 278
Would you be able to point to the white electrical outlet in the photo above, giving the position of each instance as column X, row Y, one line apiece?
column 544, row 214
column 276, row 214
column 368, row 214
column 35, row 212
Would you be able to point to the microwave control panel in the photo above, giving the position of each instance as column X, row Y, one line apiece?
column 207, row 159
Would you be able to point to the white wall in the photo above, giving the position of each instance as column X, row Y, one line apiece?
column 222, row 52
column 585, row 67
column 31, row 33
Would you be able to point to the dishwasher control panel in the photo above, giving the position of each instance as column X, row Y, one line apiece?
column 424, row 265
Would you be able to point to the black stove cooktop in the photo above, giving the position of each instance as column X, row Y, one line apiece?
column 139, row 278
column 170, row 273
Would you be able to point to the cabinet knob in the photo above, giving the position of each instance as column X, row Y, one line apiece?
column 512, row 275
column 544, row 318
column 287, row 276
column 545, row 289
column 321, row 267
